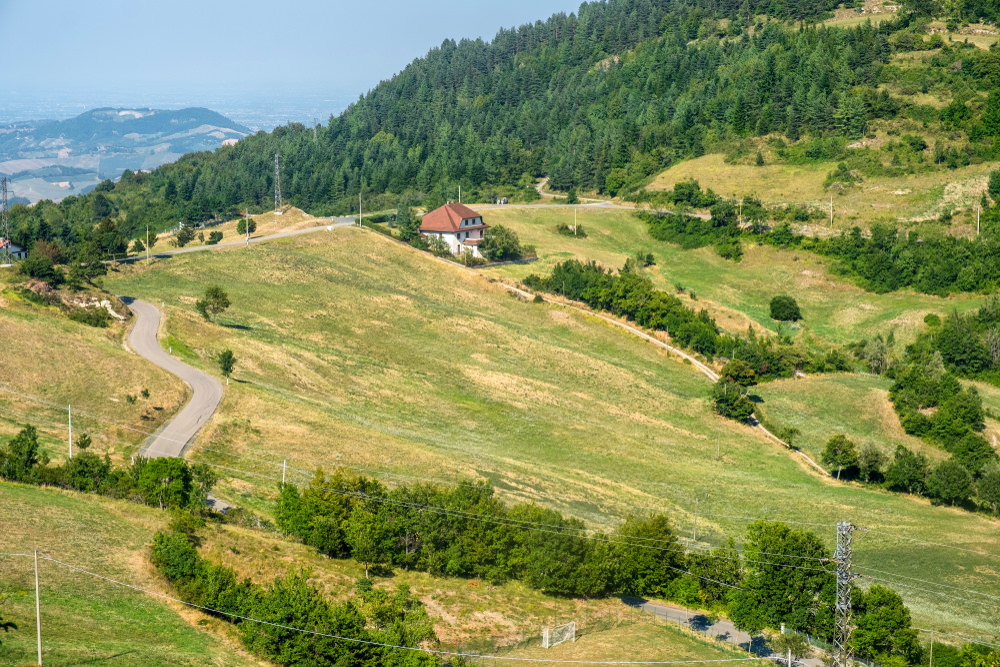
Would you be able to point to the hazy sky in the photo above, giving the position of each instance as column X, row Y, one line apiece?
column 191, row 49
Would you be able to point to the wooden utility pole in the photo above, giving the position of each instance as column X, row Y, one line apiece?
column 38, row 611
column 147, row 245
column 831, row 210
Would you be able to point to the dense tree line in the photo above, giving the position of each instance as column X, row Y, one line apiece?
column 596, row 100
column 373, row 615
column 466, row 531
column 631, row 295
column 883, row 259
column 167, row 483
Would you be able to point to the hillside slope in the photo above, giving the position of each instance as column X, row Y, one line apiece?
column 356, row 351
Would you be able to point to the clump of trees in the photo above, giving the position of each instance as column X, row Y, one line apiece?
column 167, row 483
column 374, row 616
column 501, row 244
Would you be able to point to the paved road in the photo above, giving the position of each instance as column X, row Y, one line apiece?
column 344, row 221
column 722, row 629
column 206, row 391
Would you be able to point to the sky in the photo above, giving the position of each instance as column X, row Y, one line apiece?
column 191, row 52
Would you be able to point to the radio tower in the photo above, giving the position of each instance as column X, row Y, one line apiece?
column 6, row 258
column 842, row 645
column 277, row 186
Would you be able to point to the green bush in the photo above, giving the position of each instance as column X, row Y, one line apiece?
column 93, row 316
column 785, row 309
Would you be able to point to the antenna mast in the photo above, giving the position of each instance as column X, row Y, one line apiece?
column 6, row 257
column 277, row 186
column 842, row 645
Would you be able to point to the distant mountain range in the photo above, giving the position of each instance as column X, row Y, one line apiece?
column 52, row 159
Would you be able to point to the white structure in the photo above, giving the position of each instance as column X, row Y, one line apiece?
column 559, row 634
column 457, row 225
column 16, row 251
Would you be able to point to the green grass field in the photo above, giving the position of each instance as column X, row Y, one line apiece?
column 86, row 620
column 817, row 405
column 357, row 351
column 737, row 294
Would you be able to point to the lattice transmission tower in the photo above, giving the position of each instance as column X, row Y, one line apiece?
column 6, row 257
column 277, row 186
column 843, row 650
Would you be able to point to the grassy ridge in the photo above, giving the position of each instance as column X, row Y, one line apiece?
column 355, row 350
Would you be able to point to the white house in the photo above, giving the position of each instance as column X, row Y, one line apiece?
column 457, row 225
column 16, row 251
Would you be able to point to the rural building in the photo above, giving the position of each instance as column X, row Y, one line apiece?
column 15, row 250
column 457, row 225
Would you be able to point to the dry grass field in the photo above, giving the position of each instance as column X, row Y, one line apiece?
column 911, row 197
column 354, row 350
column 49, row 357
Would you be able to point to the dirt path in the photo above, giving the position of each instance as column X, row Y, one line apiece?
column 703, row 368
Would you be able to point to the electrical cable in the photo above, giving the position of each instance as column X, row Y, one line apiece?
column 385, row 645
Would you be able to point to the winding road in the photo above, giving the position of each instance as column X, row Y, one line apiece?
column 206, row 391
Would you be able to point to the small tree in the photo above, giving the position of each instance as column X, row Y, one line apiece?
column 785, row 309
column 369, row 537
column 500, row 243
column 907, row 472
column 731, row 401
column 184, row 236
column 950, row 482
column 216, row 300
column 227, row 362
column 241, row 226
column 84, row 442
column 988, row 488
column 137, row 247
column 840, row 452
column 791, row 642
column 740, row 373
column 406, row 222
column 871, row 462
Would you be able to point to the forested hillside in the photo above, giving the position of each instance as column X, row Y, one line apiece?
column 599, row 100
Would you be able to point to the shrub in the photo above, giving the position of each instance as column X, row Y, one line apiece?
column 950, row 482
column 95, row 317
column 214, row 238
column 571, row 230
column 785, row 309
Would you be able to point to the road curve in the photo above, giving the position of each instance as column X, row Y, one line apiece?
column 206, row 391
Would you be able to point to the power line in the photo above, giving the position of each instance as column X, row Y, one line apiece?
column 992, row 605
column 951, row 634
column 930, row 583
column 562, row 529
column 386, row 645
column 933, row 544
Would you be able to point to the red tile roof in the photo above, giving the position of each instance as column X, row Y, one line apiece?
column 449, row 218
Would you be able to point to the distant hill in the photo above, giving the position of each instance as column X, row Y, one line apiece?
column 52, row 159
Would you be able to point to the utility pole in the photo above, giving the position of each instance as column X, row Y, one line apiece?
column 38, row 611
column 694, row 530
column 459, row 194
column 246, row 219
column 283, row 464
column 147, row 245
column 359, row 208
column 574, row 221
column 277, row 186
column 6, row 256
column 831, row 210
column 69, row 409
column 842, row 648
column 932, row 649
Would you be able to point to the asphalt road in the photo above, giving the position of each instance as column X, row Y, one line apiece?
column 206, row 391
